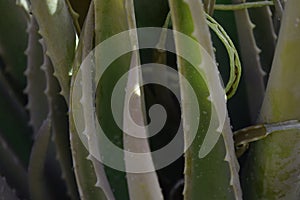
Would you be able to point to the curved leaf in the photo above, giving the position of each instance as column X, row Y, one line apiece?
column 13, row 41
column 36, row 80
column 216, row 175
column 37, row 185
column 13, row 169
column 56, row 28
column 89, row 172
column 273, row 163
column 254, row 74
column 59, row 122
column 6, row 192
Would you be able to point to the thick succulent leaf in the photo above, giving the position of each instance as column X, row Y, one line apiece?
column 254, row 74
column 81, row 7
column 56, row 28
column 13, row 40
column 216, row 175
column 36, row 80
column 12, row 79
column 107, row 24
column 84, row 164
column 13, row 169
column 89, row 172
column 140, row 185
column 272, row 167
column 277, row 13
column 89, row 118
column 18, row 137
column 75, row 17
column 59, row 121
column 37, row 185
column 264, row 34
column 156, row 14
column 84, row 169
column 6, row 192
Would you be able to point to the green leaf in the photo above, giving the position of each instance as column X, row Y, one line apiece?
column 89, row 172
column 140, row 185
column 216, row 175
column 107, row 24
column 36, row 80
column 13, row 169
column 81, row 7
column 17, row 136
column 59, row 122
column 37, row 184
column 13, row 41
column 272, row 167
column 84, row 169
column 264, row 34
column 56, row 28
column 254, row 74
column 6, row 192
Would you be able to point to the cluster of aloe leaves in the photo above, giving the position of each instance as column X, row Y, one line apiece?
column 42, row 45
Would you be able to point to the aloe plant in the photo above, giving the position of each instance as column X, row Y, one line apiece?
column 225, row 73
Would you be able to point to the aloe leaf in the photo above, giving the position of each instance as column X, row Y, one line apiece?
column 59, row 122
column 107, row 24
column 36, row 80
column 89, row 118
column 12, row 110
column 89, row 172
column 265, row 35
column 56, row 27
column 254, row 75
column 89, row 111
column 86, row 40
column 6, row 192
column 75, row 17
column 84, row 169
column 13, row 169
column 158, row 93
column 277, row 14
column 81, row 8
column 13, row 23
column 273, row 163
column 37, row 185
column 140, row 185
column 12, row 80
column 214, row 176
